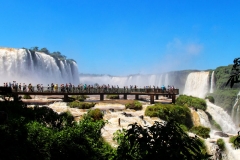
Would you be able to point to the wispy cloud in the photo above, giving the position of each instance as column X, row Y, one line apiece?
column 179, row 55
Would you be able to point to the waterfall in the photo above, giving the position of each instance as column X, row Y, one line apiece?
column 176, row 78
column 203, row 118
column 212, row 85
column 235, row 110
column 23, row 66
column 222, row 118
column 197, row 84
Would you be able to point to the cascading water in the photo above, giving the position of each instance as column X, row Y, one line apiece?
column 177, row 79
column 24, row 66
column 197, row 84
column 235, row 110
column 212, row 85
column 222, row 118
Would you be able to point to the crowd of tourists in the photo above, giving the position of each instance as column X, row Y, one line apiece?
column 71, row 88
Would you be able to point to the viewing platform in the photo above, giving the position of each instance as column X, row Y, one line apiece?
column 152, row 92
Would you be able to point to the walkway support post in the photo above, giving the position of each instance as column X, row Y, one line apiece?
column 156, row 97
column 173, row 98
column 152, row 99
column 65, row 99
column 124, row 96
column 136, row 96
column 101, row 97
column 15, row 97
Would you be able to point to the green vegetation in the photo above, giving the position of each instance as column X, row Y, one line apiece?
column 79, row 97
column 213, row 123
column 26, row 96
column 136, row 105
column 232, row 139
column 221, row 144
column 190, row 101
column 180, row 114
column 210, row 98
column 160, row 141
column 56, row 55
column 96, row 114
column 201, row 131
column 41, row 133
column 81, row 105
column 113, row 96
column 225, row 98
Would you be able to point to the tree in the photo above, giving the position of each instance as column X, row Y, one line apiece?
column 235, row 73
column 45, row 50
column 165, row 141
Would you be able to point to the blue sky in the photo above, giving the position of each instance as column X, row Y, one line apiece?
column 122, row 37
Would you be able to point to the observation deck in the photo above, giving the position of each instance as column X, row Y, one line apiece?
column 15, row 92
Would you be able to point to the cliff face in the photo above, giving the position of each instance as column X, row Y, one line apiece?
column 24, row 66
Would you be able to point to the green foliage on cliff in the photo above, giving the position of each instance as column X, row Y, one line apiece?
column 180, row 114
column 225, row 98
column 190, row 101
column 56, row 55
column 213, row 123
column 201, row 131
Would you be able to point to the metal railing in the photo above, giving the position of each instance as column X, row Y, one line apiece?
column 92, row 90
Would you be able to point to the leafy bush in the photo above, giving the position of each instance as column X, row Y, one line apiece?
column 232, row 139
column 210, row 98
column 159, row 141
column 170, row 111
column 112, row 96
column 81, row 105
column 213, row 123
column 48, row 135
column 96, row 114
column 136, row 105
column 25, row 96
column 201, row 131
column 80, row 97
column 190, row 101
column 221, row 144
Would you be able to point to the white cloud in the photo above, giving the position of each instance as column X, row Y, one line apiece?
column 179, row 55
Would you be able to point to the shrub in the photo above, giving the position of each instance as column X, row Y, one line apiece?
column 221, row 144
column 210, row 98
column 178, row 113
column 113, row 96
column 136, row 105
column 81, row 105
column 232, row 139
column 79, row 97
column 201, row 131
column 213, row 123
column 96, row 114
column 27, row 97
column 190, row 101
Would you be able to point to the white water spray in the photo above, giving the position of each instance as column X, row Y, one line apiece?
column 23, row 66
column 222, row 118
column 197, row 84
column 212, row 85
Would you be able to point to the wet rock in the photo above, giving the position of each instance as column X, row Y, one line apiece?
column 221, row 134
column 112, row 110
column 127, row 114
column 141, row 117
